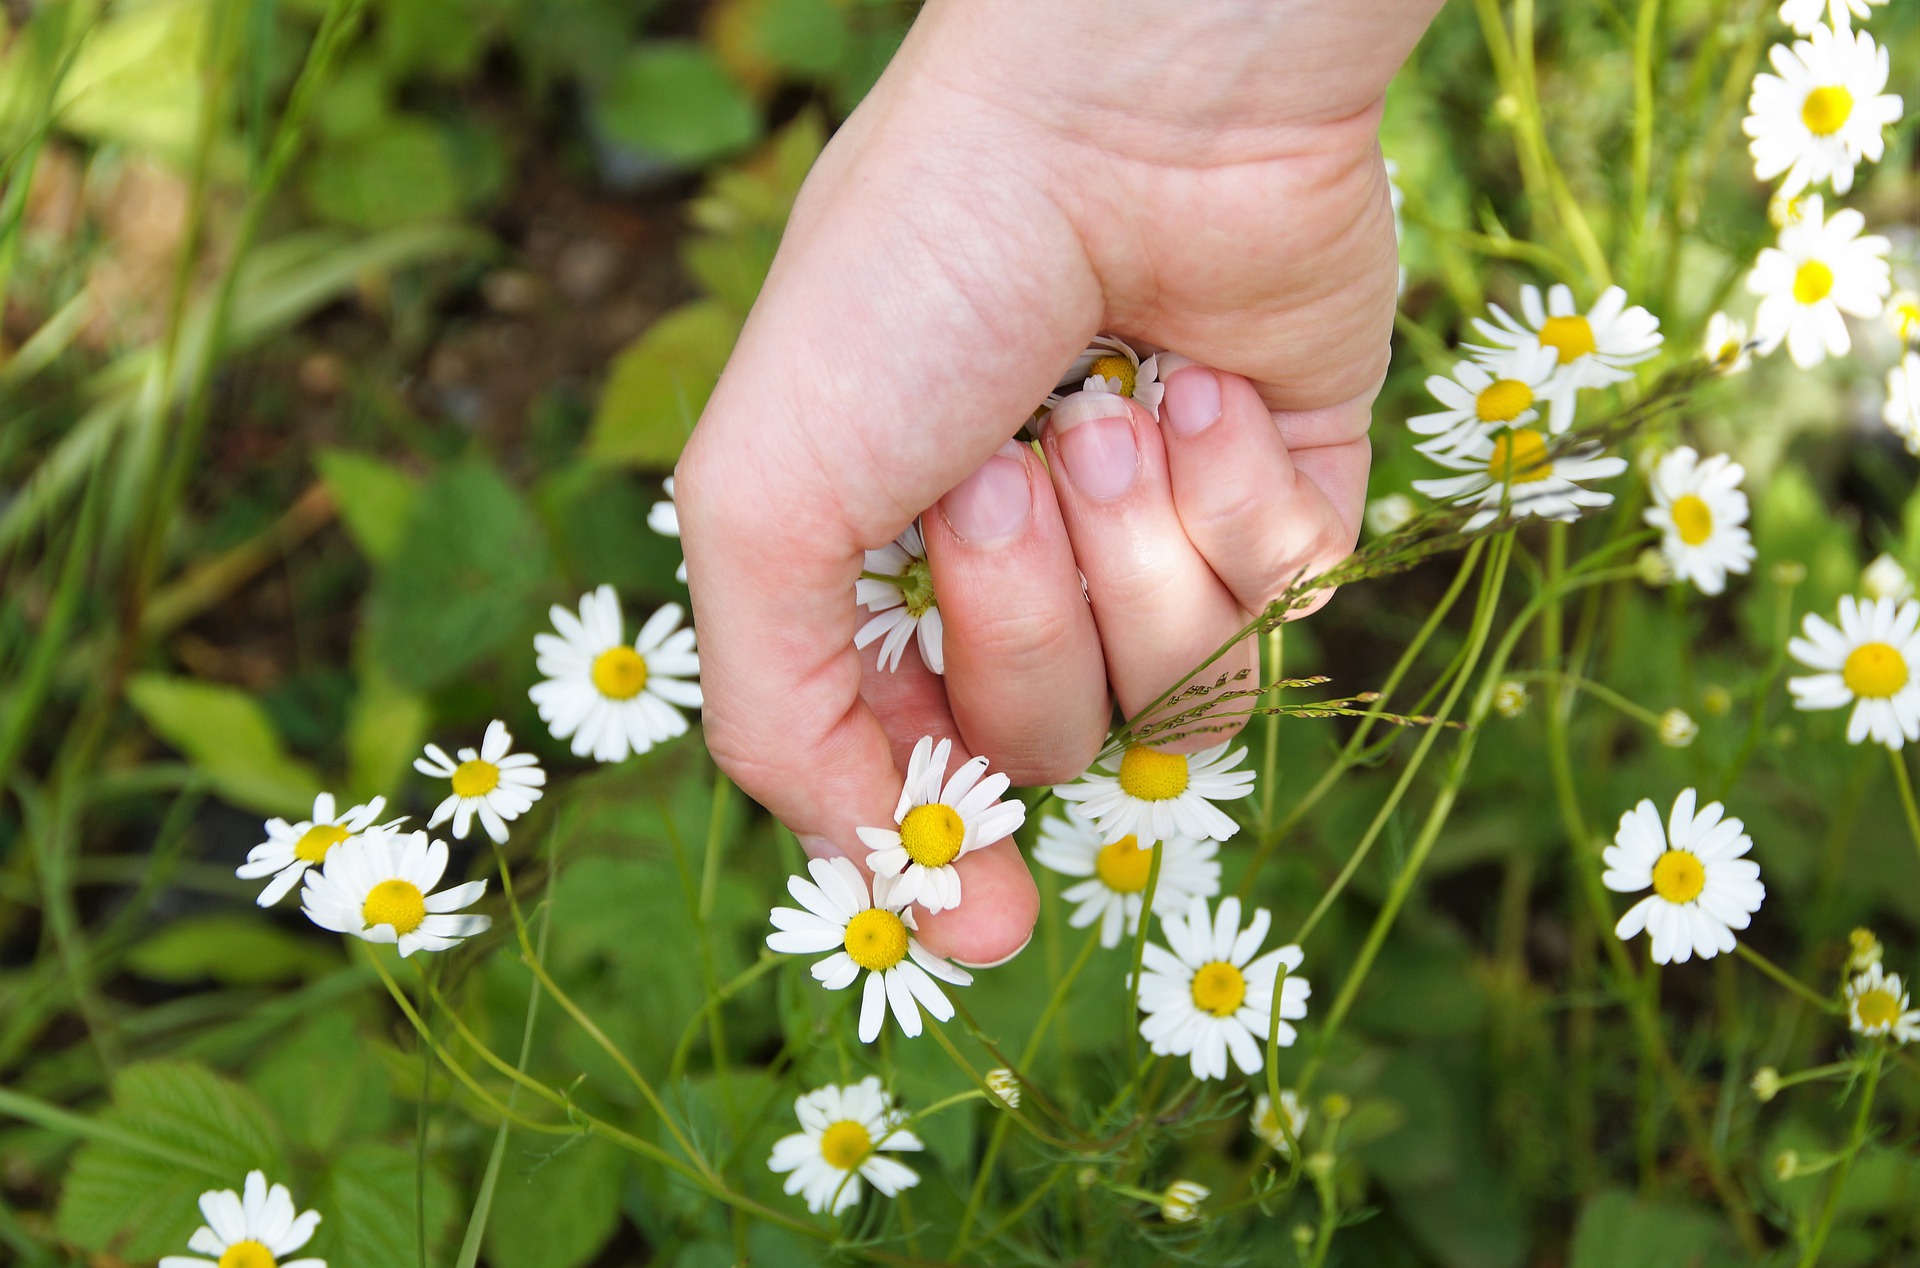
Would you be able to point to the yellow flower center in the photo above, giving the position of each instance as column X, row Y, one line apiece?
column 845, row 1144
column 396, row 903
column 477, row 779
column 1691, row 519
column 1571, row 337
column 1826, row 109
column 317, row 840
column 619, row 673
column 876, row 939
column 1906, row 320
column 916, row 588
column 932, row 834
column 1812, row 282
column 1115, row 366
column 1519, row 457
column 1218, row 988
column 1875, row 670
column 1123, row 866
column 1150, row 775
column 1679, row 877
column 1876, row 1008
column 1503, row 401
column 246, row 1254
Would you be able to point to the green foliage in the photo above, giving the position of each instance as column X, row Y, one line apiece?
column 367, row 1194
column 233, row 949
column 373, row 496
column 1618, row 1230
column 226, row 735
column 672, row 99
column 400, row 172
column 557, row 1204
column 659, row 385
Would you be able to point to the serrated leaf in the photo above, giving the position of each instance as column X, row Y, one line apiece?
column 367, row 1197
column 659, row 385
column 373, row 496
column 557, row 1203
column 325, row 1085
column 672, row 99
column 224, row 732
column 1618, row 1230
column 236, row 949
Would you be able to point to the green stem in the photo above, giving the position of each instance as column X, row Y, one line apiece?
column 1855, row 1141
column 1139, row 956
column 1904, row 782
column 1786, row 979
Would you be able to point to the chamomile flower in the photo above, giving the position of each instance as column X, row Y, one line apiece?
column 1209, row 997
column 379, row 887
column 1151, row 794
column 1903, row 316
column 664, row 519
column 1871, row 661
column 1702, row 889
column 1877, row 1005
column 1111, row 365
column 1114, row 890
column 900, row 593
column 1266, row 1123
column 1004, row 1084
column 1510, row 698
column 938, row 821
column 1480, row 399
column 1884, row 578
column 611, row 698
column 1902, row 410
column 254, row 1228
column 1702, row 514
column 1820, row 269
column 291, row 848
column 1180, row 1204
column 1822, row 115
column 844, row 1137
column 1677, row 728
column 1515, row 472
column 1593, row 349
column 492, row 782
column 1726, row 345
column 1804, row 15
column 1390, row 513
column 874, row 933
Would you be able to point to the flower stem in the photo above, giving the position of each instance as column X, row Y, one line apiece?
column 1785, row 978
column 1855, row 1141
column 1904, row 782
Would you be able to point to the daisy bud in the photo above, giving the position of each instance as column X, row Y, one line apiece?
column 1086, row 1177
column 1726, row 347
column 1784, row 212
column 1716, row 700
column 1003, row 1085
column 1677, row 730
column 1765, row 1084
column 1303, row 1237
column 1884, row 578
column 1385, row 514
column 1789, row 572
column 1180, row 1204
column 1786, row 1164
column 1654, row 568
column 1510, row 698
column 1336, row 1106
column 1320, row 1164
column 1864, row 951
column 1506, row 106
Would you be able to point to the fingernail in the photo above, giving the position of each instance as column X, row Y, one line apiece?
column 990, row 505
column 994, row 964
column 1095, row 437
column 1192, row 402
column 819, row 848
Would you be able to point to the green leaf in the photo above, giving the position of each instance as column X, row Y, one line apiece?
column 659, row 385
column 373, row 497
column 325, row 1085
column 673, row 100
column 385, row 728
column 807, row 37
column 367, row 1197
column 173, row 1131
column 1618, row 1230
column 401, row 173
column 557, row 1204
column 231, row 948
column 225, row 733
column 458, row 585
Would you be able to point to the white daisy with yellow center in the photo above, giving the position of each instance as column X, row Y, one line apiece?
column 871, row 932
column 291, row 848
column 1871, row 661
column 1903, row 316
column 1726, row 345
column 938, row 821
column 1516, row 473
column 492, row 782
column 255, row 1228
column 1902, row 410
column 1152, row 795
column 1820, row 269
column 1110, row 364
column 1266, row 1123
column 1804, row 15
column 379, row 887
column 845, row 1133
column 1482, row 399
column 1592, row 349
column 1877, row 1005
column 1823, row 113
column 1702, row 888
column 664, row 519
column 612, row 698
column 896, row 584
column 1701, row 514
column 1114, row 890
column 1208, row 997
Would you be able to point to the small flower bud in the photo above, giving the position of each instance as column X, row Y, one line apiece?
column 1320, row 1164
column 1336, row 1106
column 1864, row 951
column 1003, row 1085
column 1765, row 1084
column 1785, row 212
column 1716, row 701
column 1086, row 1177
column 1789, row 572
column 1180, row 1204
column 1884, row 578
column 1727, row 348
column 1266, row 1123
column 1303, row 1236
column 1510, row 698
column 1677, row 730
column 1385, row 514
column 1786, row 1164
column 1654, row 568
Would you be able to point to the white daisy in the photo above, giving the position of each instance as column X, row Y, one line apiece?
column 291, row 848
column 872, row 933
column 1111, row 365
column 1114, row 890
column 1481, row 399
column 611, row 698
column 1153, row 795
column 1266, row 1123
column 1702, row 889
column 1390, row 513
column 1884, row 578
column 1702, row 514
column 1726, row 345
column 1823, row 113
column 379, row 887
column 1180, row 1204
column 1820, row 269
column 1903, row 316
column 1872, row 661
column 897, row 584
column 1877, row 1005
column 1593, row 349
column 1515, row 473
column 937, row 822
column 1208, row 996
column 845, row 1133
column 664, row 519
column 1804, row 15
column 494, row 783
column 254, row 1229
column 1902, row 410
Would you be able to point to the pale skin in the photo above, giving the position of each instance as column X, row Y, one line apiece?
column 1197, row 175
